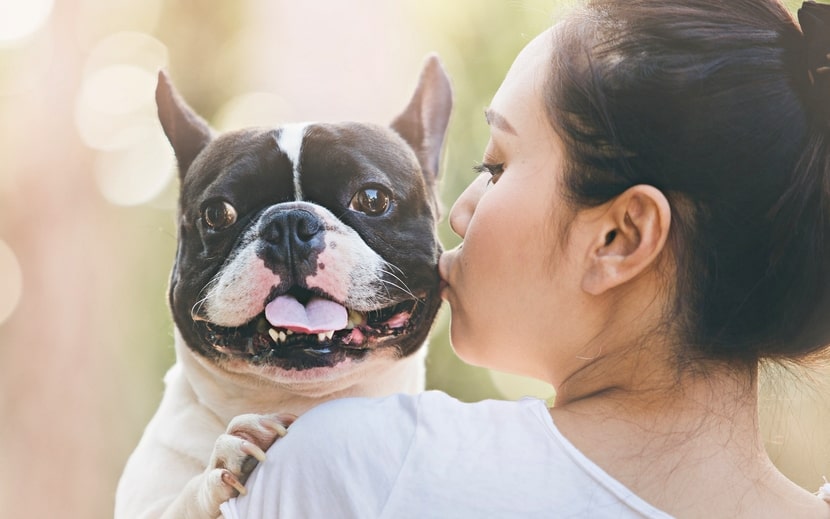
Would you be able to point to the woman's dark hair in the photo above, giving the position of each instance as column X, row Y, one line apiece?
column 711, row 102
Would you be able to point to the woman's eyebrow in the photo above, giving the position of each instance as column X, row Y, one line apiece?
column 497, row 120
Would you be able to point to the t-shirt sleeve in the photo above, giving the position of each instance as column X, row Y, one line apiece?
column 340, row 459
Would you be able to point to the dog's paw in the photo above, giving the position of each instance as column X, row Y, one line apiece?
column 239, row 449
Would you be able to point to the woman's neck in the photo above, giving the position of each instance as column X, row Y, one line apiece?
column 686, row 441
column 671, row 407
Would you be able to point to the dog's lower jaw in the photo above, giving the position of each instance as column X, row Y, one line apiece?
column 166, row 474
column 229, row 388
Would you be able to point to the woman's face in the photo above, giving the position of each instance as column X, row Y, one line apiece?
column 512, row 284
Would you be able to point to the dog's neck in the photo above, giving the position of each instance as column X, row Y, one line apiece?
column 227, row 394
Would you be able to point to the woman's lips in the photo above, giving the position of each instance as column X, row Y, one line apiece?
column 444, row 265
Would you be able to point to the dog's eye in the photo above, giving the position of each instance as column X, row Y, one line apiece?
column 219, row 215
column 372, row 201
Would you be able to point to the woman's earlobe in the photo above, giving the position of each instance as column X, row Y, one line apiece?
column 632, row 234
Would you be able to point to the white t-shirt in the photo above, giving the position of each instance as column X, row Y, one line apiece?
column 431, row 456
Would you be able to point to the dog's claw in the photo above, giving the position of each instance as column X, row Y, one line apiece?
column 230, row 480
column 275, row 426
column 252, row 450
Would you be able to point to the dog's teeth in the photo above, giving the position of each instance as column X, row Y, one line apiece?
column 321, row 337
column 355, row 317
column 330, row 335
column 278, row 336
column 289, row 332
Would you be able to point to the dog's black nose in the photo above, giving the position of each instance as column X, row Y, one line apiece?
column 292, row 236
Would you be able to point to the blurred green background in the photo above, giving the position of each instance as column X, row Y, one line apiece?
column 87, row 195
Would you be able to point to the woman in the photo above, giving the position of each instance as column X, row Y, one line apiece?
column 651, row 222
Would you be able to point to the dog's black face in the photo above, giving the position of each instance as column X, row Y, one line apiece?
column 308, row 245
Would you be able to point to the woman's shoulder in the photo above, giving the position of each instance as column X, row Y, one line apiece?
column 361, row 424
column 356, row 423
column 363, row 412
column 371, row 439
column 408, row 410
column 362, row 418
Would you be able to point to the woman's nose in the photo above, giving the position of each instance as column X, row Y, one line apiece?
column 464, row 207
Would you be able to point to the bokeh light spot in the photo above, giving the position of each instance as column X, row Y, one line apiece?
column 132, row 47
column 111, row 101
column 138, row 173
column 117, row 89
column 11, row 281
column 21, row 18
column 96, row 19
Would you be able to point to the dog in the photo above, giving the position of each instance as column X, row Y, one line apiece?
column 306, row 270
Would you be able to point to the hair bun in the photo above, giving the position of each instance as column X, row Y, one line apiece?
column 814, row 19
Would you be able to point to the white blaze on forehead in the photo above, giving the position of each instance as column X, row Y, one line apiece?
column 290, row 141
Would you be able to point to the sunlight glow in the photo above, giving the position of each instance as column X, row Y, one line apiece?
column 21, row 18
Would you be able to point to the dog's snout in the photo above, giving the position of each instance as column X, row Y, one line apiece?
column 307, row 226
column 293, row 233
column 293, row 227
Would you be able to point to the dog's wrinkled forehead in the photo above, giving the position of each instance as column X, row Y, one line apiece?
column 245, row 167
column 360, row 152
column 319, row 162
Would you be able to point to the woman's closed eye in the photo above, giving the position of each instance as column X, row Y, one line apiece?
column 495, row 171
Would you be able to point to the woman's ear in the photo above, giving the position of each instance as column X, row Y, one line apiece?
column 629, row 236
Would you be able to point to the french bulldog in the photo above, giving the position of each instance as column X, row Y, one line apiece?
column 306, row 270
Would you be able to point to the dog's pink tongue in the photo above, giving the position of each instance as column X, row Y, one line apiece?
column 318, row 315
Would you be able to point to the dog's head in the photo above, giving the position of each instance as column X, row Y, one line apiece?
column 307, row 246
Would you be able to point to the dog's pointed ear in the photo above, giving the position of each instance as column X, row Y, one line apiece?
column 187, row 132
column 423, row 124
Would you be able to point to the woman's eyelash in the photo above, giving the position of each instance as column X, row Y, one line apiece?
column 495, row 170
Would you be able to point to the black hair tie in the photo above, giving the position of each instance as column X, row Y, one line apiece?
column 814, row 19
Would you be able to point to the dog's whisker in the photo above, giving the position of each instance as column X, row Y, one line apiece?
column 389, row 263
column 385, row 284
column 403, row 286
column 206, row 293
column 194, row 310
